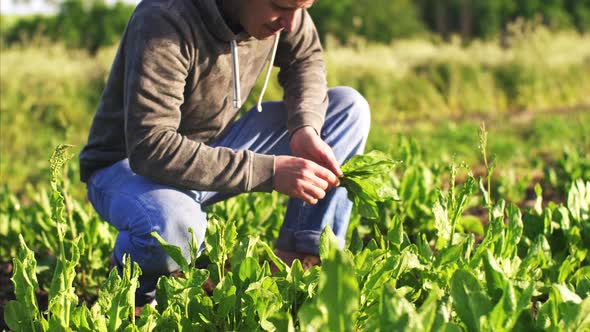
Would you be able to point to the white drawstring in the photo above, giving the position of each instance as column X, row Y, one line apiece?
column 236, row 74
column 270, row 65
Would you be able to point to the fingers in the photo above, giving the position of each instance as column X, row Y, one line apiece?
column 327, row 176
column 306, row 143
column 309, row 199
column 303, row 179
column 310, row 187
column 319, row 182
column 312, row 193
column 329, row 160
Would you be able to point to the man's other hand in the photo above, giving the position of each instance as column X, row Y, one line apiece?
column 312, row 171
column 307, row 144
column 302, row 178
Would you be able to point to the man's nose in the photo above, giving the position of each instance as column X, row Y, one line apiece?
column 288, row 20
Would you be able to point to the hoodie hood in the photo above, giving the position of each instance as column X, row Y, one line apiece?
column 216, row 24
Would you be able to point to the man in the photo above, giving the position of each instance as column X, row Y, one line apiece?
column 162, row 144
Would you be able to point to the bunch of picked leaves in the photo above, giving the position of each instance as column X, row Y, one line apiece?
column 367, row 178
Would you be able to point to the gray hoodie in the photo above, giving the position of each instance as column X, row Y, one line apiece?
column 173, row 88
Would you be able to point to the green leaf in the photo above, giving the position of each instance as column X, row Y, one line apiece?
column 98, row 318
column 451, row 255
column 194, row 247
column 471, row 224
column 581, row 278
column 461, row 201
column 58, row 159
column 245, row 248
column 225, row 297
column 356, row 243
column 566, row 294
column 395, row 235
column 337, row 301
column 469, row 299
column 496, row 282
column 281, row 266
column 510, row 301
column 282, row 321
column 117, row 295
column 311, row 318
column 62, row 297
column 248, row 270
column 82, row 319
column 366, row 178
column 578, row 201
column 363, row 196
column 513, row 231
column 537, row 258
column 328, row 243
column 338, row 290
column 538, row 208
column 442, row 222
column 18, row 319
column 394, row 312
column 230, row 236
column 148, row 319
column 486, row 195
column 265, row 297
column 581, row 321
column 564, row 310
column 173, row 251
column 423, row 248
column 220, row 241
column 371, row 162
column 565, row 270
column 24, row 312
column 427, row 312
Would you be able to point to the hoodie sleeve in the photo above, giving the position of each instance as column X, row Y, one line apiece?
column 158, row 58
column 303, row 75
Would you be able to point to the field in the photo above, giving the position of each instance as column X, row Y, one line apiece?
column 485, row 225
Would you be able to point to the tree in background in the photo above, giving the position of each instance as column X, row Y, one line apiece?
column 580, row 11
column 88, row 25
column 378, row 20
column 91, row 26
column 485, row 19
column 334, row 18
column 385, row 20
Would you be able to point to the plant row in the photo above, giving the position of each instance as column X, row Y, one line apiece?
column 528, row 270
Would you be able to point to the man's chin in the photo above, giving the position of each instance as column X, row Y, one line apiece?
column 263, row 37
column 266, row 33
column 260, row 35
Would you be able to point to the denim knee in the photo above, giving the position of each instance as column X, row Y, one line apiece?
column 347, row 124
column 172, row 224
column 168, row 212
column 358, row 113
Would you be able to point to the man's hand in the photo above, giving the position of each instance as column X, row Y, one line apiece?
column 302, row 178
column 312, row 171
column 306, row 143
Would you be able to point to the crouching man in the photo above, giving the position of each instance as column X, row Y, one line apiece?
column 164, row 144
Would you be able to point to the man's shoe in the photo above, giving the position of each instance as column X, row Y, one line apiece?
column 307, row 260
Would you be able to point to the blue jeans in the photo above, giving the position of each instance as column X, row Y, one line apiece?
column 137, row 206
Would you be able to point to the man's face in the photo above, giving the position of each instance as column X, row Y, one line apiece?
column 265, row 18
